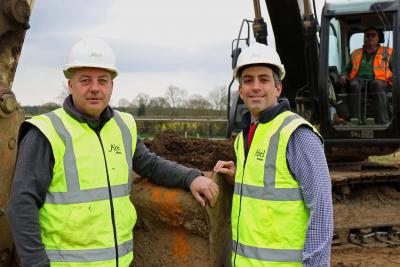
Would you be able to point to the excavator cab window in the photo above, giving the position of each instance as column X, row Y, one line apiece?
column 363, row 101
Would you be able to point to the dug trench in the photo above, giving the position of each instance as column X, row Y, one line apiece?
column 185, row 235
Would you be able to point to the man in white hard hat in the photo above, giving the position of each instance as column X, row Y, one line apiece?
column 282, row 205
column 69, row 203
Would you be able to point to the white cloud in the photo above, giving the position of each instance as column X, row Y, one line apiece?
column 36, row 86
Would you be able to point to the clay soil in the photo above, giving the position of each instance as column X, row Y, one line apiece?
column 203, row 154
column 197, row 153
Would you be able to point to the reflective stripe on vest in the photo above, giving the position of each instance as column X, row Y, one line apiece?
column 380, row 65
column 89, row 255
column 267, row 254
column 251, row 196
column 74, row 194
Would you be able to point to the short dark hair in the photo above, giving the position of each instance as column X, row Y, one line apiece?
column 275, row 71
column 371, row 28
column 378, row 31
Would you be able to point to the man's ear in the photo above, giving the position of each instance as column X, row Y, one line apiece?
column 69, row 86
column 278, row 90
column 240, row 92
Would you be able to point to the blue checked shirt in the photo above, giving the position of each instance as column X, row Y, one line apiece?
column 306, row 161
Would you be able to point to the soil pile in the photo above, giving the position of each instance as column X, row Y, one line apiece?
column 196, row 153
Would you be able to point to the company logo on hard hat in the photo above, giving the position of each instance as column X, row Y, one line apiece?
column 255, row 55
column 95, row 54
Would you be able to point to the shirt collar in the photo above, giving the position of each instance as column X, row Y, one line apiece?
column 268, row 114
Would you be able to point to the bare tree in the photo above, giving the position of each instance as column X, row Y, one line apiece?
column 198, row 102
column 63, row 94
column 219, row 98
column 124, row 103
column 175, row 96
column 158, row 103
column 141, row 100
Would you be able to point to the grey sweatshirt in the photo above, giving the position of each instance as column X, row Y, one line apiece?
column 33, row 176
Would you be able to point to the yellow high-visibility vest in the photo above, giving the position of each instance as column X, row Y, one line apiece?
column 269, row 216
column 91, row 170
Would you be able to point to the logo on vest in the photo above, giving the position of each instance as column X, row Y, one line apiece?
column 115, row 148
column 260, row 154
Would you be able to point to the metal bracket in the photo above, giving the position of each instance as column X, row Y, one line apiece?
column 8, row 103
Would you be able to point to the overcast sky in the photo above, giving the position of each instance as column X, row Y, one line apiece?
column 185, row 43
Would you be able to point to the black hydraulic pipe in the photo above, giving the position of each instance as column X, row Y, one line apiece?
column 259, row 26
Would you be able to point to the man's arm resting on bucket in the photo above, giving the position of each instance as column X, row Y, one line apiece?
column 171, row 174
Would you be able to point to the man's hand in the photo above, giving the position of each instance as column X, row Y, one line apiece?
column 227, row 168
column 203, row 186
column 343, row 80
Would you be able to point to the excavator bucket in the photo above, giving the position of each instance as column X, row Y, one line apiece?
column 8, row 153
column 14, row 21
column 174, row 230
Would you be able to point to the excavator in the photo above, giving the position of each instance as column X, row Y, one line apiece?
column 172, row 229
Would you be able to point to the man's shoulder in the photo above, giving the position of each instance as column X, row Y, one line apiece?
column 29, row 130
column 123, row 113
column 304, row 133
column 126, row 118
column 357, row 51
column 390, row 49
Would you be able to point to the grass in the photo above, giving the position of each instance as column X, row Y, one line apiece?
column 393, row 158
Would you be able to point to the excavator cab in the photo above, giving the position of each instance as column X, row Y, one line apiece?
column 342, row 32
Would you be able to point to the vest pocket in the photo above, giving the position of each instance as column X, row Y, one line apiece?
column 89, row 226
column 125, row 218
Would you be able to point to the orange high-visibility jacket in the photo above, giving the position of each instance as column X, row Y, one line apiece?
column 381, row 64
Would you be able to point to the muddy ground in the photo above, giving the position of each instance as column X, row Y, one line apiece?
column 203, row 154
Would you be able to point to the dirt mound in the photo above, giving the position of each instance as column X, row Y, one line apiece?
column 192, row 152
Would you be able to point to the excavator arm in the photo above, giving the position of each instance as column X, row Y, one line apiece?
column 14, row 21
column 295, row 29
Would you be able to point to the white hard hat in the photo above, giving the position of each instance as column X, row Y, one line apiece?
column 91, row 52
column 258, row 53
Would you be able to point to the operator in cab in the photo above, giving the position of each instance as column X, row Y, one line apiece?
column 69, row 204
column 369, row 68
column 282, row 212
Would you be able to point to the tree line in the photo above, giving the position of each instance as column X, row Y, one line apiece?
column 175, row 103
